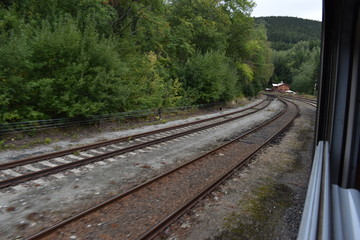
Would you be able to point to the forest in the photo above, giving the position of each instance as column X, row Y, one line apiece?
column 64, row 58
column 284, row 32
column 296, row 51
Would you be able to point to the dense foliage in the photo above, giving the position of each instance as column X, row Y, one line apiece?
column 298, row 66
column 284, row 32
column 64, row 58
column 296, row 54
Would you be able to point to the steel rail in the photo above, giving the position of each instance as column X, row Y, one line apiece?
column 168, row 220
column 292, row 97
column 25, row 161
column 310, row 102
column 77, row 163
column 161, row 226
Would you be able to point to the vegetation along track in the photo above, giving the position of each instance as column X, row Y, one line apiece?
column 16, row 172
column 146, row 210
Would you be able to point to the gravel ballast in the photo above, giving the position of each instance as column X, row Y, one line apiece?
column 26, row 208
column 261, row 201
column 215, row 218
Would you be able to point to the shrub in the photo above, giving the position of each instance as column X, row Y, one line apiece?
column 210, row 77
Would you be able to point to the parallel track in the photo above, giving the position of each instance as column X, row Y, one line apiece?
column 12, row 164
column 308, row 101
column 51, row 168
column 160, row 201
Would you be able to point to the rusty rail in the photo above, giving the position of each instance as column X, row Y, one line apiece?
column 53, row 170
column 151, row 233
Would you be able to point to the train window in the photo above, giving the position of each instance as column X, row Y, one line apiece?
column 335, row 208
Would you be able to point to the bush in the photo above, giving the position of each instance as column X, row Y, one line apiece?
column 60, row 72
column 147, row 87
column 209, row 77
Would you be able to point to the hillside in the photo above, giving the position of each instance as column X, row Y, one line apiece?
column 284, row 32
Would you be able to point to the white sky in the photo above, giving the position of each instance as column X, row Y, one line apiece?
column 308, row 9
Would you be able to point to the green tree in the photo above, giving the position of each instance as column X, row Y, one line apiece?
column 147, row 88
column 208, row 83
column 306, row 76
column 209, row 22
column 62, row 58
column 297, row 66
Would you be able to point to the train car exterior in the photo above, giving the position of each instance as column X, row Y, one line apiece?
column 332, row 208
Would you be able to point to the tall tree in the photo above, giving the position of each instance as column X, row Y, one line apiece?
column 68, row 59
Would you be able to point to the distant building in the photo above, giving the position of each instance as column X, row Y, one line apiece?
column 280, row 87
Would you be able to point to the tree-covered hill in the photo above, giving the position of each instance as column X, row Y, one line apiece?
column 296, row 51
column 284, row 32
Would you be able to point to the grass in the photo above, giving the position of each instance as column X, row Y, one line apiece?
column 259, row 214
column 14, row 141
column 76, row 153
column 263, row 208
column 57, row 148
column 2, row 144
column 6, row 144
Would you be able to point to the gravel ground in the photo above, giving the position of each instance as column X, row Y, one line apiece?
column 129, row 217
column 264, row 200
column 92, row 136
column 28, row 208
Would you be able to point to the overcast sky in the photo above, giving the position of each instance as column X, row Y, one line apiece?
column 309, row 9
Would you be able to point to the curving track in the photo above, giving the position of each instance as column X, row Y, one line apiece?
column 15, row 172
column 311, row 102
column 144, row 211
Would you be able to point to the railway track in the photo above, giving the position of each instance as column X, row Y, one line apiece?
column 146, row 210
column 308, row 101
column 15, row 172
